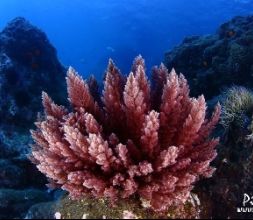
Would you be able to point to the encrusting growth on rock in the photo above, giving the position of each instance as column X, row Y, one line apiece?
column 149, row 141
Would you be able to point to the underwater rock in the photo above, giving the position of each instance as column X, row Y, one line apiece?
column 15, row 203
column 26, row 44
column 16, row 173
column 13, row 143
column 15, row 168
column 233, row 178
column 10, row 175
column 225, row 191
column 213, row 62
column 45, row 210
column 28, row 64
column 89, row 208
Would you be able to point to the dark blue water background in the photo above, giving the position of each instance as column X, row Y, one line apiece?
column 87, row 32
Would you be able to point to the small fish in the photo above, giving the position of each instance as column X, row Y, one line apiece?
column 225, row 160
column 231, row 33
column 110, row 49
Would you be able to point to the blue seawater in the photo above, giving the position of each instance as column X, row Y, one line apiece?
column 87, row 32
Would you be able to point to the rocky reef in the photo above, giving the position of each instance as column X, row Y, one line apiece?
column 214, row 62
column 233, row 179
column 91, row 208
column 28, row 64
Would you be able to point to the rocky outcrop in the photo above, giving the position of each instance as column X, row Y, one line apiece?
column 90, row 208
column 28, row 65
column 213, row 62
column 15, row 203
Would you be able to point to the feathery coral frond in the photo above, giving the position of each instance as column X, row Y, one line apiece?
column 135, row 106
column 79, row 93
column 138, row 61
column 159, row 79
column 149, row 138
column 112, row 97
column 151, row 142
column 193, row 122
column 51, row 108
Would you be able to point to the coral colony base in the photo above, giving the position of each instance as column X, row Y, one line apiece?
column 140, row 139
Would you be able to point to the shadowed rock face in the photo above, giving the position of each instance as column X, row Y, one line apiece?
column 15, row 203
column 28, row 45
column 28, row 65
column 212, row 63
column 216, row 61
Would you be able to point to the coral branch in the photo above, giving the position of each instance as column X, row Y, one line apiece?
column 112, row 97
column 149, row 138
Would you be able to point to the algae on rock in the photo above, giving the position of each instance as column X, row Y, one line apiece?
column 91, row 208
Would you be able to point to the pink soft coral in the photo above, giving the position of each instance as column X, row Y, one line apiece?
column 135, row 140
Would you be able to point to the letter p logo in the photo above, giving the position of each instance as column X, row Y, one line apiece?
column 246, row 199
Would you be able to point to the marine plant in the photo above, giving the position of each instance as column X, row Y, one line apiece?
column 142, row 140
column 236, row 105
